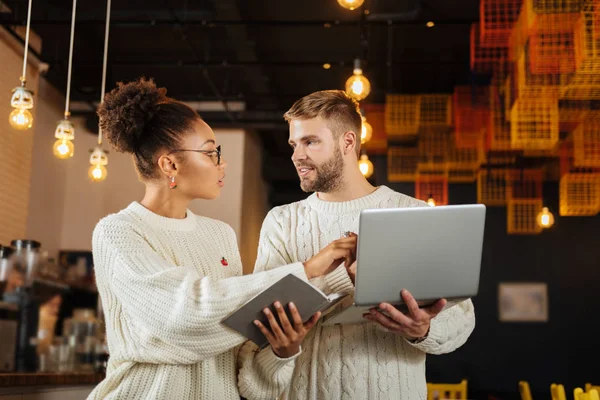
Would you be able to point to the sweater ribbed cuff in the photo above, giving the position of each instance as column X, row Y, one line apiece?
column 433, row 340
column 339, row 281
column 271, row 362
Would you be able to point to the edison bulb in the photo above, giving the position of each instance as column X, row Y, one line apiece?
column 21, row 119
column 431, row 201
column 351, row 4
column 97, row 172
column 545, row 218
column 63, row 149
column 357, row 86
column 366, row 132
column 366, row 166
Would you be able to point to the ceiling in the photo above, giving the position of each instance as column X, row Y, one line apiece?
column 266, row 54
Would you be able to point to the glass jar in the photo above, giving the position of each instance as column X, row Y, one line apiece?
column 83, row 329
column 26, row 259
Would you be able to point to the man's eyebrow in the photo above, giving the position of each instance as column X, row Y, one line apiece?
column 304, row 138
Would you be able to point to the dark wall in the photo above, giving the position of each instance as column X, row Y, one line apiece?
column 564, row 350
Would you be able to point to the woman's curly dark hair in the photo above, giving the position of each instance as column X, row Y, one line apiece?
column 138, row 118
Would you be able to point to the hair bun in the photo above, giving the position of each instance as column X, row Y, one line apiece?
column 127, row 110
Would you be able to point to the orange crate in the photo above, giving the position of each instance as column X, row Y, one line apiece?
column 497, row 18
column 432, row 183
column 375, row 115
column 498, row 133
column 524, row 184
column 536, row 85
column 491, row 187
column 521, row 216
column 586, row 145
column 534, row 123
column 579, row 194
column 402, row 163
column 486, row 59
column 471, row 115
column 402, row 114
column 543, row 12
column 552, row 53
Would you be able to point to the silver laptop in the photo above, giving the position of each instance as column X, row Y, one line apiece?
column 433, row 252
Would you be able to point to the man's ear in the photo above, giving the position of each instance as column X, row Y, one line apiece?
column 350, row 142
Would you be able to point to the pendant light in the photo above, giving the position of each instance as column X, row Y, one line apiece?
column 99, row 158
column 358, row 86
column 22, row 98
column 65, row 130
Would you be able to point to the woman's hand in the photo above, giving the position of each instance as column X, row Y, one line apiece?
column 285, row 338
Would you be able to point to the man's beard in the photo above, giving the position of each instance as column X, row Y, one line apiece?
column 328, row 174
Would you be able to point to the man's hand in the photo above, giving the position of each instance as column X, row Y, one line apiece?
column 414, row 325
column 328, row 259
column 285, row 339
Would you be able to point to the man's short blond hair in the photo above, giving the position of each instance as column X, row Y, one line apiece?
column 339, row 110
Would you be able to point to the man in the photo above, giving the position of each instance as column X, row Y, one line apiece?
column 383, row 358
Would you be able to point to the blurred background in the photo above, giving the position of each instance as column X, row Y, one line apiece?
column 478, row 101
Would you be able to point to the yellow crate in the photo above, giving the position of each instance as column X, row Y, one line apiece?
column 586, row 145
column 402, row 164
column 436, row 110
column 519, row 35
column 491, row 187
column 434, row 144
column 402, row 114
column 534, row 123
column 579, row 194
column 521, row 216
column 585, row 83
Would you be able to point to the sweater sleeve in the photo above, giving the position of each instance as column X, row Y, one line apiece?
column 273, row 251
column 169, row 314
column 450, row 329
column 262, row 374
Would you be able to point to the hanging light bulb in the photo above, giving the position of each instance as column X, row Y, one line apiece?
column 65, row 132
column 545, row 218
column 358, row 86
column 20, row 119
column 22, row 98
column 366, row 166
column 366, row 132
column 431, row 201
column 351, row 4
column 98, row 161
column 99, row 158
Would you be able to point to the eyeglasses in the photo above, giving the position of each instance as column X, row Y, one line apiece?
column 210, row 153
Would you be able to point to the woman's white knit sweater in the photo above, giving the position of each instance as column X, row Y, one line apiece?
column 165, row 285
column 353, row 362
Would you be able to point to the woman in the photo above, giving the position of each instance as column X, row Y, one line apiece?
column 167, row 277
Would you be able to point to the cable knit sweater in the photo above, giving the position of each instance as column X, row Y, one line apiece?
column 165, row 285
column 361, row 361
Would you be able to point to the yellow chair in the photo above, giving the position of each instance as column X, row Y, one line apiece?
column 589, row 386
column 525, row 390
column 591, row 394
column 558, row 392
column 447, row 391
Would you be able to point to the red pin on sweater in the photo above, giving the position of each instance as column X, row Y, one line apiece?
column 224, row 262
